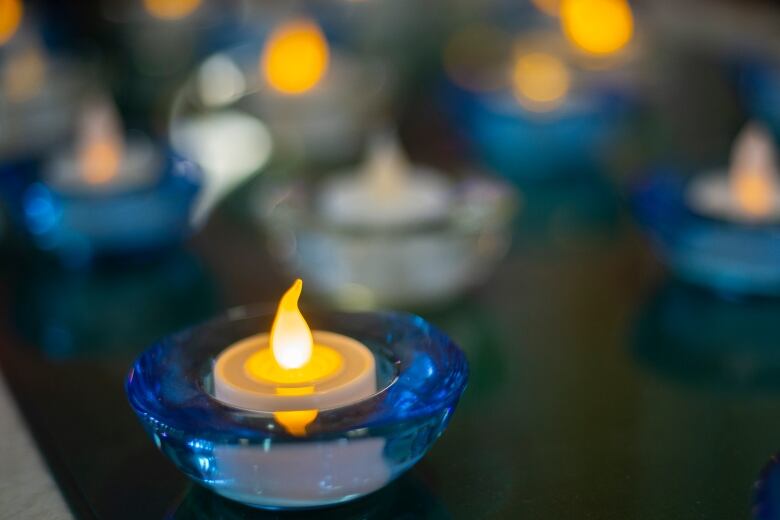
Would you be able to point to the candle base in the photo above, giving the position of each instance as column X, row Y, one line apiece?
column 346, row 452
column 732, row 258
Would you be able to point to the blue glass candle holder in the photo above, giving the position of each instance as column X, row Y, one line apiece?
column 522, row 144
column 732, row 258
column 359, row 448
column 766, row 491
column 80, row 228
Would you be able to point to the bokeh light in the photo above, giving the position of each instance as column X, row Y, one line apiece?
column 11, row 12
column 171, row 9
column 295, row 58
column 599, row 27
column 541, row 81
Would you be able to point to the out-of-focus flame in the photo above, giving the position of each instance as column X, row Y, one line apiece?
column 753, row 172
column 291, row 339
column 599, row 27
column 11, row 13
column 295, row 57
column 24, row 74
column 540, row 80
column 100, row 144
column 171, row 9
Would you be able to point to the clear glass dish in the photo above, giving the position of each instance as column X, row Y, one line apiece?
column 396, row 266
column 731, row 258
column 349, row 451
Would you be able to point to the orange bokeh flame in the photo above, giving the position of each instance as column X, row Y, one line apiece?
column 295, row 57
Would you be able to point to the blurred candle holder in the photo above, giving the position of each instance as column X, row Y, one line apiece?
column 316, row 99
column 391, row 233
column 716, row 230
column 532, row 111
column 110, row 197
column 259, row 458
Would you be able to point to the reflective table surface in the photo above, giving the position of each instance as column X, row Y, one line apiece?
column 600, row 388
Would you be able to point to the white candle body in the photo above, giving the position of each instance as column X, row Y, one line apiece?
column 139, row 167
column 712, row 194
column 299, row 474
column 388, row 192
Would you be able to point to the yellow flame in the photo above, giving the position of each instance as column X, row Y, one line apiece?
column 753, row 191
column 291, row 339
column 295, row 57
column 599, row 27
column 100, row 159
column 11, row 12
column 171, row 9
column 541, row 81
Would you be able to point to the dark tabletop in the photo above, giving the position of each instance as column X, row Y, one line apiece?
column 599, row 387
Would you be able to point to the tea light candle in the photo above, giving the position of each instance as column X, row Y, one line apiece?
column 102, row 161
column 388, row 192
column 749, row 192
column 315, row 99
column 293, row 373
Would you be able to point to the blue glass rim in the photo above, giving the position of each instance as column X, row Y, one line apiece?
column 167, row 385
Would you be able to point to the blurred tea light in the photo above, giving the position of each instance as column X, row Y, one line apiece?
column 541, row 81
column 102, row 161
column 171, row 9
column 295, row 57
column 597, row 27
column 387, row 191
column 750, row 192
column 11, row 14
column 229, row 145
column 220, row 81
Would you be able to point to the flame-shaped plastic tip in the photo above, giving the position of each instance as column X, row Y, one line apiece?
column 291, row 339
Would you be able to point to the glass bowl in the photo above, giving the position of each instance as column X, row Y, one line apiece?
column 731, row 258
column 347, row 452
column 80, row 228
column 396, row 266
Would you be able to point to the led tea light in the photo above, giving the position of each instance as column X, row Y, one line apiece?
column 297, row 418
column 102, row 160
column 316, row 99
column 387, row 191
column 292, row 373
column 750, row 191
column 720, row 228
column 533, row 100
column 108, row 195
column 390, row 232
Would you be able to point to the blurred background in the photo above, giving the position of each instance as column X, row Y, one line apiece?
column 582, row 193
